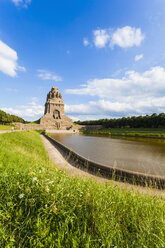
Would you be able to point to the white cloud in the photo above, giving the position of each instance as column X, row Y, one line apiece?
column 85, row 42
column 100, row 107
column 104, row 108
column 138, row 57
column 20, row 68
column 133, row 83
column 74, row 118
column 47, row 75
column 134, row 93
column 127, row 37
column 123, row 37
column 23, row 3
column 8, row 60
column 30, row 111
column 101, row 37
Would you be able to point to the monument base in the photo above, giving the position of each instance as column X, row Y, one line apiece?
column 65, row 123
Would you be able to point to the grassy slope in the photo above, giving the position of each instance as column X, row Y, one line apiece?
column 133, row 132
column 5, row 127
column 41, row 206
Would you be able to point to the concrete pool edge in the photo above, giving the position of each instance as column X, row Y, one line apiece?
column 104, row 171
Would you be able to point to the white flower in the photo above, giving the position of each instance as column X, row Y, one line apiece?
column 21, row 196
column 47, row 189
column 34, row 179
column 51, row 182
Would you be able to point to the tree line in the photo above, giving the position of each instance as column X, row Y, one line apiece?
column 147, row 121
column 8, row 119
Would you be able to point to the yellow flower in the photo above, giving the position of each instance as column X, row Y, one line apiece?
column 31, row 173
column 54, row 208
column 27, row 189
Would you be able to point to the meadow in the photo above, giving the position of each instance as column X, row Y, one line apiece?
column 132, row 132
column 42, row 206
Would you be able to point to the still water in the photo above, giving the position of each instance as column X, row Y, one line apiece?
column 134, row 154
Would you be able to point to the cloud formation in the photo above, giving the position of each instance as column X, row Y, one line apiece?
column 127, row 37
column 8, row 60
column 101, row 37
column 133, row 94
column 23, row 3
column 47, row 75
column 123, row 37
column 110, row 109
column 31, row 111
column 138, row 57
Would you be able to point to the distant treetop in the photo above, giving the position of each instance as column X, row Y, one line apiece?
column 7, row 118
column 147, row 121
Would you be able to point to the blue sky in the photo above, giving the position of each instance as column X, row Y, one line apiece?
column 107, row 57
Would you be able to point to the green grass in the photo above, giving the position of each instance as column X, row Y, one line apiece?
column 132, row 132
column 41, row 206
column 35, row 122
column 5, row 127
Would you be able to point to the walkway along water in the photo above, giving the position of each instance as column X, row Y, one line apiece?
column 107, row 172
column 9, row 131
column 5, row 131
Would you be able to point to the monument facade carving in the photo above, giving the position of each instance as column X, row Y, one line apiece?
column 54, row 116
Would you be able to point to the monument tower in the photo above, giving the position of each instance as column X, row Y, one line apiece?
column 54, row 117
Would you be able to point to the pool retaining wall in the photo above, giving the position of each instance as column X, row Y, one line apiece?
column 105, row 171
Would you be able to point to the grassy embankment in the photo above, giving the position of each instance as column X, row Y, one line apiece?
column 132, row 132
column 41, row 206
column 6, row 127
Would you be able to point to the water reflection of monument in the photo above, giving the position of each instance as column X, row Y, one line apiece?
column 54, row 116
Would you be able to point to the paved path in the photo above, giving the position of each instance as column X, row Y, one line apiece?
column 5, row 131
column 56, row 157
column 9, row 131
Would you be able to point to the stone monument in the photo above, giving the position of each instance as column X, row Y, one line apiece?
column 54, row 117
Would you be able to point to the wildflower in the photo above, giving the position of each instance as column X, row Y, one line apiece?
column 31, row 202
column 47, row 189
column 46, row 205
column 34, row 179
column 40, row 171
column 21, row 196
column 31, row 173
column 27, row 189
column 51, row 182
column 54, row 208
